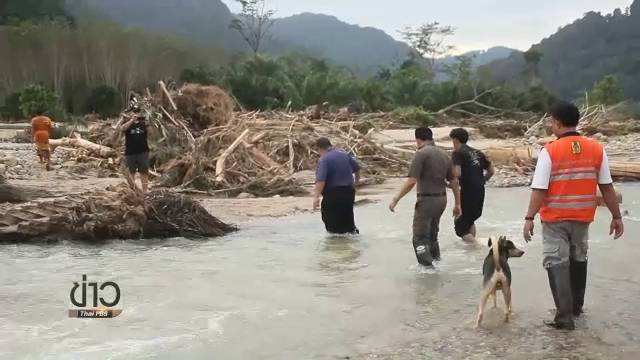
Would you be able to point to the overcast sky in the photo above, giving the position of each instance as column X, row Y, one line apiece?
column 480, row 23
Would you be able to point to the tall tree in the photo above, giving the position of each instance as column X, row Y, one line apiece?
column 533, row 57
column 253, row 23
column 607, row 91
column 429, row 40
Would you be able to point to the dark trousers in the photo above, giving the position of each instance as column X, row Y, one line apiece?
column 337, row 210
column 472, row 202
column 426, row 225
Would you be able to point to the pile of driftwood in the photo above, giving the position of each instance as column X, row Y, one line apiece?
column 258, row 153
column 115, row 213
column 199, row 145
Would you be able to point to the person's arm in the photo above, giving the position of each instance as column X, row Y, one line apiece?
column 415, row 172
column 319, row 189
column 539, row 187
column 321, row 182
column 489, row 170
column 355, row 167
column 610, row 197
column 127, row 125
column 454, row 184
column 404, row 190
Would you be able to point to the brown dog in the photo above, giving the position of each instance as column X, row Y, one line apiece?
column 497, row 274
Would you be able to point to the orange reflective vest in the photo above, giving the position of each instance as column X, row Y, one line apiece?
column 573, row 185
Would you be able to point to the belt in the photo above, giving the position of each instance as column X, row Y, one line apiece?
column 432, row 194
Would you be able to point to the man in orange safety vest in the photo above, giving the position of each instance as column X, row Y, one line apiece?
column 564, row 190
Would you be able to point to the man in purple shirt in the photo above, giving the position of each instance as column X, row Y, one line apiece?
column 335, row 183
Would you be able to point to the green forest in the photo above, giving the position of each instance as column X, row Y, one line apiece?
column 79, row 65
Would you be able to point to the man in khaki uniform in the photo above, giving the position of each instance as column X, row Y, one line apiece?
column 431, row 168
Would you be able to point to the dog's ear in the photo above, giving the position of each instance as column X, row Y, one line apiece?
column 489, row 243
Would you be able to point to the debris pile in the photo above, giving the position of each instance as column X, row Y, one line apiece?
column 199, row 145
column 115, row 213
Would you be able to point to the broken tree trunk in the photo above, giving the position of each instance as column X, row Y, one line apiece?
column 168, row 95
column 80, row 143
column 220, row 163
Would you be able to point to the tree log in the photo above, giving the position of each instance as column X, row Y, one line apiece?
column 80, row 143
column 168, row 95
column 226, row 153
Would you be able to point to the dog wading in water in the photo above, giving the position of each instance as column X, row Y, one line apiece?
column 497, row 275
column 564, row 191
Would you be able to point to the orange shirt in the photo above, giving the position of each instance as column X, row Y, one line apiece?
column 40, row 126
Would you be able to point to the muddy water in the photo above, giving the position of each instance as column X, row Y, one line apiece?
column 281, row 289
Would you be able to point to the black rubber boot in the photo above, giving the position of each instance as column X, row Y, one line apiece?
column 560, row 284
column 578, row 285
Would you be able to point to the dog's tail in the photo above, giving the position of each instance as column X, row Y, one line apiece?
column 496, row 254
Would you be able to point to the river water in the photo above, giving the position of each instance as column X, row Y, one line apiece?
column 282, row 289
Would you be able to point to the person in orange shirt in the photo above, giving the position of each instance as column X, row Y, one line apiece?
column 564, row 190
column 40, row 127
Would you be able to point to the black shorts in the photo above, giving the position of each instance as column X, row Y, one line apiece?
column 472, row 202
column 138, row 163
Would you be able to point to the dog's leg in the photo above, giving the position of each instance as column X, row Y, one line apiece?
column 506, row 291
column 483, row 301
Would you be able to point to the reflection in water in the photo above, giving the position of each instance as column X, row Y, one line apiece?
column 340, row 253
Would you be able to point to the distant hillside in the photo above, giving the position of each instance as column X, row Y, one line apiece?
column 481, row 57
column 582, row 53
column 363, row 49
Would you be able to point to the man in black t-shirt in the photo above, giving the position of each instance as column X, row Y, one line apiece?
column 136, row 148
column 473, row 170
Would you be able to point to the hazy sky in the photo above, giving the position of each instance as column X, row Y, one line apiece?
column 480, row 23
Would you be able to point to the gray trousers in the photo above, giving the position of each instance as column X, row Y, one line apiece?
column 426, row 225
column 564, row 241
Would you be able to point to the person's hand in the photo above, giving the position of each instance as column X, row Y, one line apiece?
column 316, row 203
column 527, row 232
column 457, row 211
column 616, row 229
column 393, row 204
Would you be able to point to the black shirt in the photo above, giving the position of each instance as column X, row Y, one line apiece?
column 472, row 163
column 135, row 139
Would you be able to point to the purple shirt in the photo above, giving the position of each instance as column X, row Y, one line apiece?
column 336, row 169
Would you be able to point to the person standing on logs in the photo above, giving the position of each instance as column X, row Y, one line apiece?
column 564, row 190
column 336, row 185
column 473, row 169
column 137, row 148
column 431, row 169
column 40, row 127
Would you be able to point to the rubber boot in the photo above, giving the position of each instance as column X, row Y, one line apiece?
column 560, row 284
column 578, row 285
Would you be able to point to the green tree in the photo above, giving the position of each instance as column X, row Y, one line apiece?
column 103, row 100
column 607, row 91
column 532, row 58
column 37, row 98
column 429, row 41
column 32, row 9
column 253, row 23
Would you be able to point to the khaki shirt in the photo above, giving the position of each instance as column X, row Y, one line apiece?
column 432, row 167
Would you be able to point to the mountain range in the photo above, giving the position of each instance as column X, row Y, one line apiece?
column 582, row 53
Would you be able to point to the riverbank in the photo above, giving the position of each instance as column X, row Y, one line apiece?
column 20, row 165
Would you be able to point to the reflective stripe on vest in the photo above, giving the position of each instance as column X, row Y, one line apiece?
column 571, row 196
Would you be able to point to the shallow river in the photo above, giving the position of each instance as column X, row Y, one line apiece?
column 281, row 289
